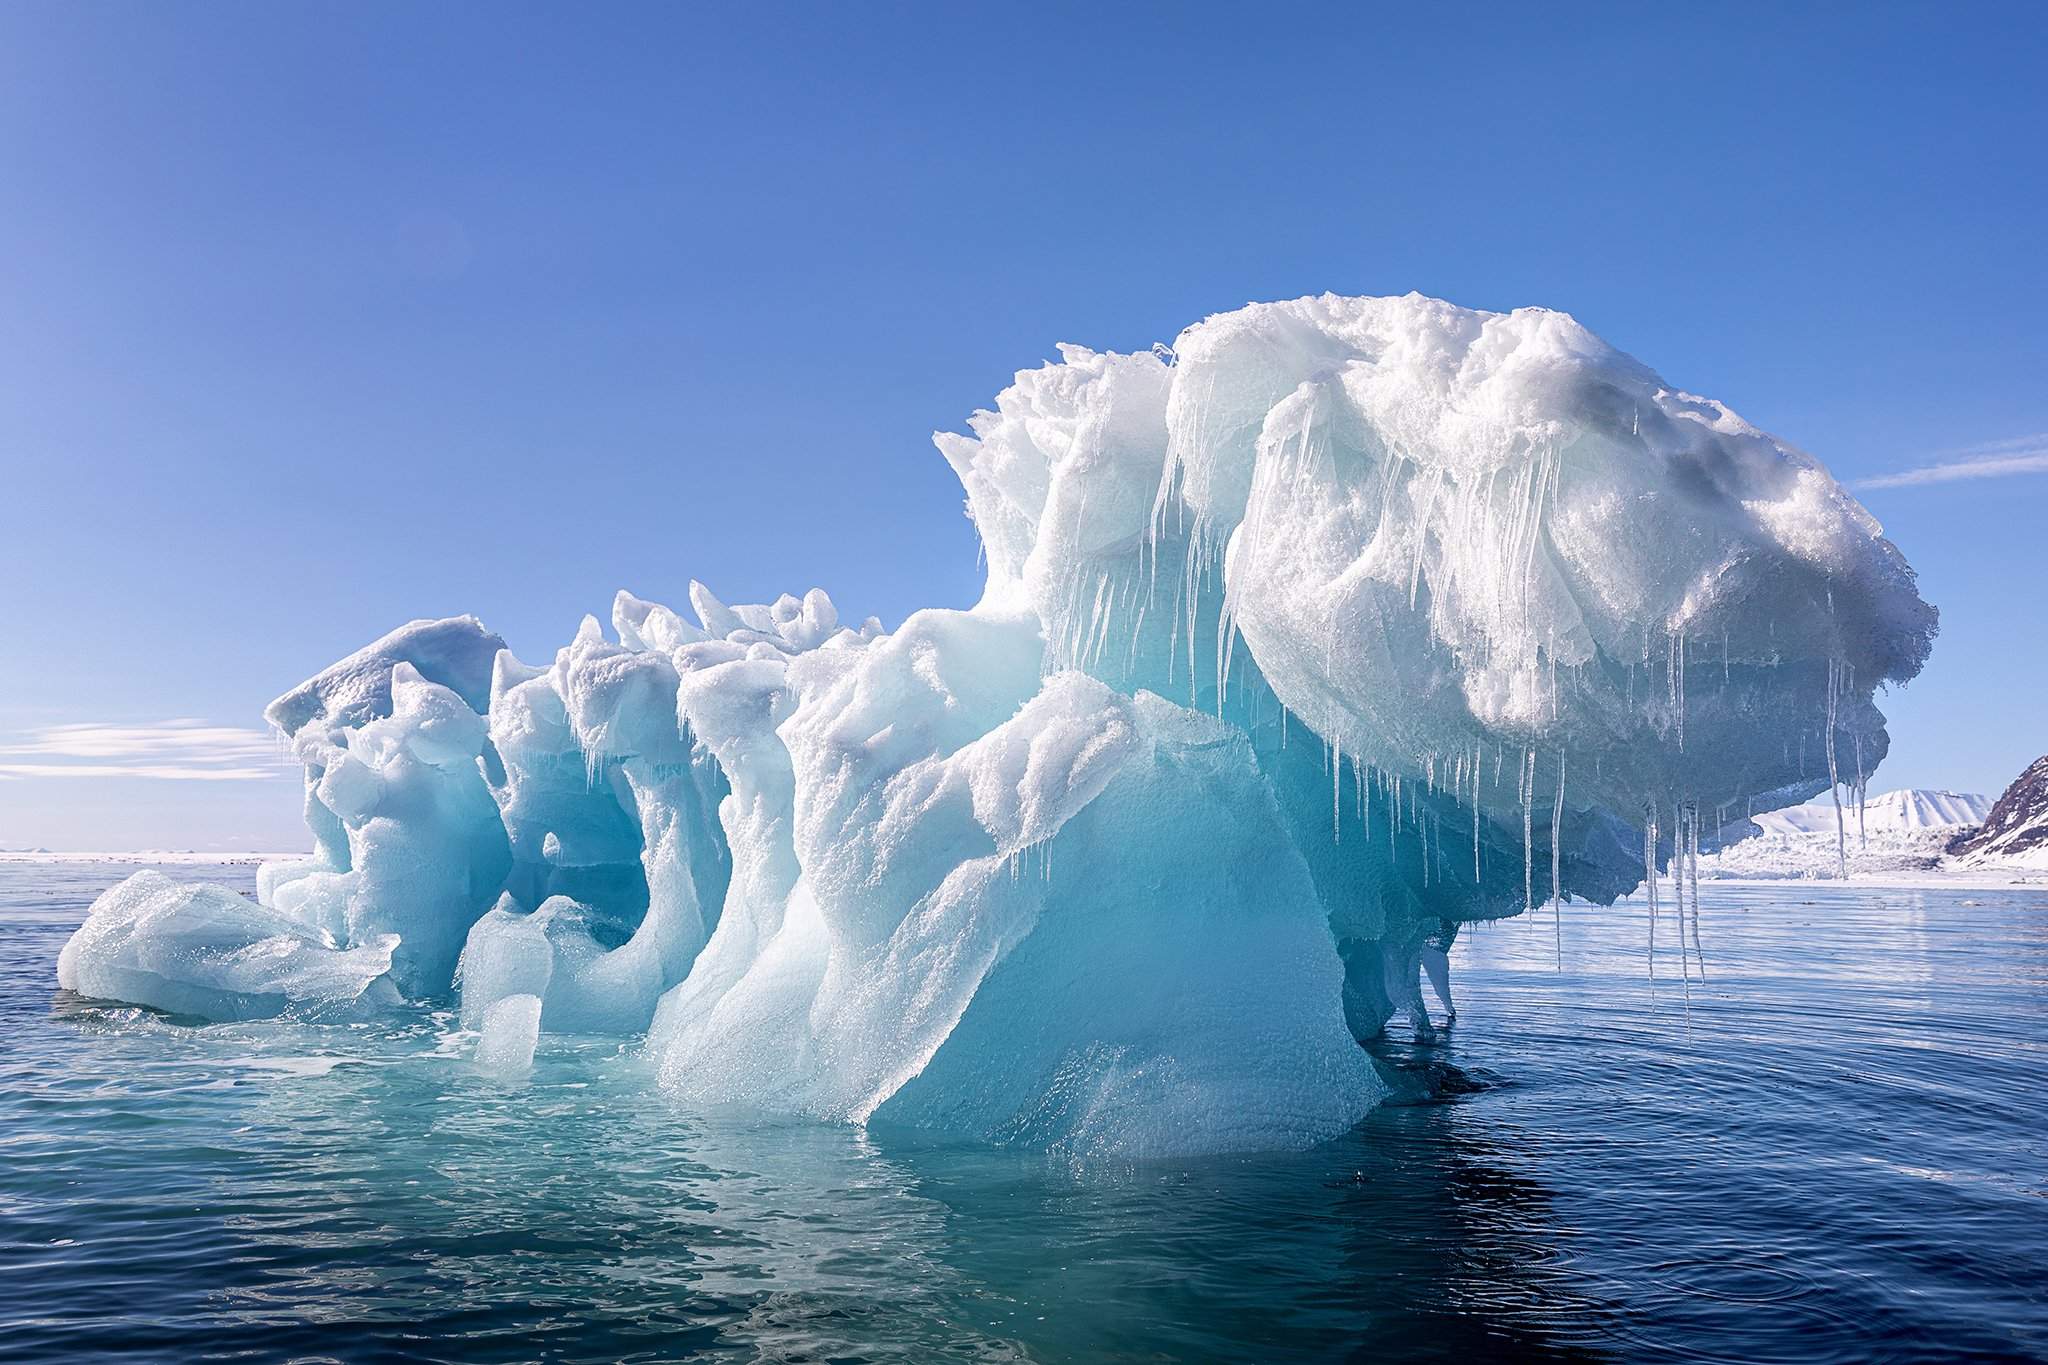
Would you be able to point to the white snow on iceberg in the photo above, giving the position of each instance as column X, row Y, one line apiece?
column 1339, row 624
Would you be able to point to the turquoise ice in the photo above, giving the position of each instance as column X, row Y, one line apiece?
column 1335, row 626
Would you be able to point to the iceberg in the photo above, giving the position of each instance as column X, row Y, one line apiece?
column 1335, row 626
column 202, row 950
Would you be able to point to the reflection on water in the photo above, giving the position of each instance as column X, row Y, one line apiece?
column 1827, row 1150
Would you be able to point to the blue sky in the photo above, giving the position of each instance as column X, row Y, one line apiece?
column 317, row 318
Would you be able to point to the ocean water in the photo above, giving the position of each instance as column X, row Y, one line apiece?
column 1830, row 1149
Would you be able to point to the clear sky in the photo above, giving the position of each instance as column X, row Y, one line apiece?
column 317, row 318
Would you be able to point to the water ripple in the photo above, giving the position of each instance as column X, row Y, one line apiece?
column 1827, row 1150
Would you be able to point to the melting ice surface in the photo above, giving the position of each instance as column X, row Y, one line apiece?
column 1340, row 624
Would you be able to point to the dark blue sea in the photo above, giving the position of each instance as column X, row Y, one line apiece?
column 1832, row 1148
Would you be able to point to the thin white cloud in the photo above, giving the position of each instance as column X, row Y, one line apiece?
column 1992, row 460
column 2034, row 442
column 172, row 750
column 159, row 770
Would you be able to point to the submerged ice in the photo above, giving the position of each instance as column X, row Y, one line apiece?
column 1339, row 624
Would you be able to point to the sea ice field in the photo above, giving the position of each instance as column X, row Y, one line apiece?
column 1828, row 1150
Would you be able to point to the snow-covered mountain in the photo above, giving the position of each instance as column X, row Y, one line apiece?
column 1908, row 831
column 2016, row 829
column 1890, row 813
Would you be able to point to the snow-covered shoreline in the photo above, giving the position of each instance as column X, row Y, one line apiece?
column 156, row 857
column 1901, row 838
column 1925, row 879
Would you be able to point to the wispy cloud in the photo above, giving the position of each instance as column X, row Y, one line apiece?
column 184, row 749
column 1992, row 460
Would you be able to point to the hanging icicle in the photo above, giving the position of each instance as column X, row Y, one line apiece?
column 1834, row 772
column 1693, row 872
column 1557, row 862
column 1528, row 829
column 1650, row 886
column 1678, row 837
column 1476, row 880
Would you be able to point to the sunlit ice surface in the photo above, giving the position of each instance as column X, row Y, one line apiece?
column 1819, row 1140
column 1337, row 627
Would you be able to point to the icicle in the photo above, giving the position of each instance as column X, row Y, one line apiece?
column 1337, row 794
column 1862, row 788
column 1834, row 773
column 1555, row 707
column 1476, row 880
column 1678, row 885
column 1693, row 870
column 1557, row 862
column 1650, row 883
column 1681, row 838
column 1680, row 655
column 1528, row 830
column 1422, row 829
column 1358, row 797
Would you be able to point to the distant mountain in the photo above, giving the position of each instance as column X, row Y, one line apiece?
column 1892, row 813
column 1905, row 831
column 2014, row 830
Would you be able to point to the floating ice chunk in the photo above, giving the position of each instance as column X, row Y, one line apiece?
column 509, row 1030
column 200, row 949
column 507, row 954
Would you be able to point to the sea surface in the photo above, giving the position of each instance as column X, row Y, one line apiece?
column 1832, row 1148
